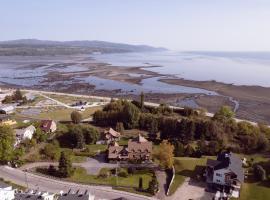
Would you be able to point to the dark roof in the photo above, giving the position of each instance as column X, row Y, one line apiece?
column 25, row 196
column 212, row 163
column 3, row 185
column 67, row 196
column 229, row 161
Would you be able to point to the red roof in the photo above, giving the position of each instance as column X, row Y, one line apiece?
column 46, row 125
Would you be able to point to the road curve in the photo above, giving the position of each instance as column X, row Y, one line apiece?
column 41, row 183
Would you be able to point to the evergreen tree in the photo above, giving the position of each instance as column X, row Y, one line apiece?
column 189, row 151
column 142, row 100
column 153, row 186
column 65, row 166
column 179, row 149
column 140, row 183
column 17, row 95
column 119, row 127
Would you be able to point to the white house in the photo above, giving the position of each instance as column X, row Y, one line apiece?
column 225, row 173
column 7, row 109
column 26, row 133
column 6, row 192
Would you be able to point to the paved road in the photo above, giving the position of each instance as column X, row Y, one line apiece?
column 33, row 181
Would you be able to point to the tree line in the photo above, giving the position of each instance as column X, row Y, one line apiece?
column 186, row 125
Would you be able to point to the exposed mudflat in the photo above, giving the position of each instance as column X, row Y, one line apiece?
column 84, row 75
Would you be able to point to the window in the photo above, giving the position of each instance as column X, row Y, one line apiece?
column 217, row 174
column 218, row 181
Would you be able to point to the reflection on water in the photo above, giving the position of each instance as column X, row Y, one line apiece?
column 149, row 85
column 234, row 67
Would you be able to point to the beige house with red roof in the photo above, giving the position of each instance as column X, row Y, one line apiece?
column 109, row 136
column 48, row 126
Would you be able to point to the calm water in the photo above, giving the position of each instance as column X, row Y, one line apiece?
column 238, row 68
column 149, row 85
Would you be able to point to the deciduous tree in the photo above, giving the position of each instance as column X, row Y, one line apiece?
column 165, row 155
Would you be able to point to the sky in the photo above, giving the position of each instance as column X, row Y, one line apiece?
column 212, row 25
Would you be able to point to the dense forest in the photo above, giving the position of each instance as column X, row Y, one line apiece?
column 184, row 127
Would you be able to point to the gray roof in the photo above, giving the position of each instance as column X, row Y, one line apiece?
column 74, row 197
column 24, row 196
column 229, row 161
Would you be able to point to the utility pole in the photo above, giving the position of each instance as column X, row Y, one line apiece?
column 117, row 173
column 26, row 181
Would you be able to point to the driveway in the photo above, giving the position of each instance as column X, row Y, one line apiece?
column 191, row 189
column 91, row 165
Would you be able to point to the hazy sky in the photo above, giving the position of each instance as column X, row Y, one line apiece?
column 176, row 24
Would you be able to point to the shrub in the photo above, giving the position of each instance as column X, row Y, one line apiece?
column 51, row 170
column 153, row 186
column 123, row 173
column 131, row 170
column 104, row 173
column 259, row 172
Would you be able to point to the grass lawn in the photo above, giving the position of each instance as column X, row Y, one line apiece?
column 96, row 147
column 254, row 191
column 132, row 181
column 70, row 99
column 186, row 167
column 63, row 114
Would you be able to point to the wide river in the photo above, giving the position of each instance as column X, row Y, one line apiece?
column 239, row 68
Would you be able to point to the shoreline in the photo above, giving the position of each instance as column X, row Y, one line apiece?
column 250, row 102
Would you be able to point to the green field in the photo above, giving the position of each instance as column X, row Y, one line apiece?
column 132, row 181
column 186, row 167
column 63, row 114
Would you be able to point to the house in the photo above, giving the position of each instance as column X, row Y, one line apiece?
column 138, row 149
column 5, row 120
column 26, row 133
column 6, row 192
column 116, row 152
column 76, row 196
column 225, row 173
column 30, row 96
column 7, row 109
column 48, row 126
column 34, row 195
column 109, row 136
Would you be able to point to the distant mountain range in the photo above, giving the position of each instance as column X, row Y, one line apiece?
column 32, row 47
